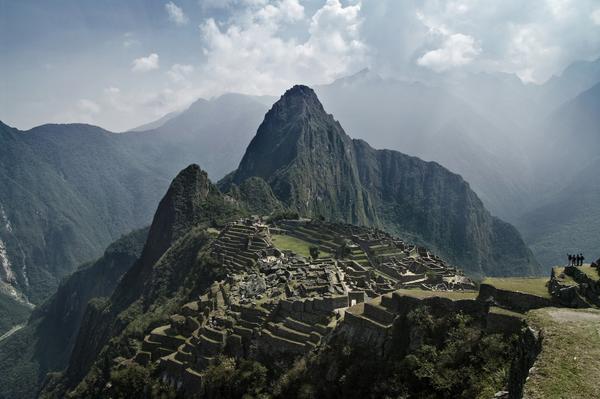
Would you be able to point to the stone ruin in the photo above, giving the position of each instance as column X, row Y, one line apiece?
column 571, row 287
column 274, row 302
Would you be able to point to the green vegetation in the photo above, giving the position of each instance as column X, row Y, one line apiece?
column 569, row 365
column 563, row 278
column 12, row 313
column 229, row 378
column 591, row 272
column 529, row 285
column 45, row 343
column 294, row 244
column 453, row 359
column 314, row 251
column 282, row 215
column 134, row 382
column 68, row 191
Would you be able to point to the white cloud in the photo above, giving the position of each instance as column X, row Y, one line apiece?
column 529, row 55
column 249, row 54
column 560, row 8
column 176, row 14
column 145, row 64
column 88, row 106
column 531, row 39
column 114, row 98
column 457, row 50
column 179, row 72
column 595, row 16
column 129, row 40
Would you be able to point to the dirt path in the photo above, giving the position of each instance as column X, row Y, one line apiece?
column 566, row 315
column 11, row 331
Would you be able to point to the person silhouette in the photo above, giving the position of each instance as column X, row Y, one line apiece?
column 581, row 259
column 570, row 257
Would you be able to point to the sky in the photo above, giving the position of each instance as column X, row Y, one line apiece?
column 119, row 64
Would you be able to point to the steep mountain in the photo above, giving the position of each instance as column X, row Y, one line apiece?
column 575, row 79
column 568, row 221
column 441, row 122
column 66, row 191
column 571, row 137
column 313, row 167
column 566, row 218
column 12, row 314
column 181, row 262
column 46, row 342
column 169, row 269
column 156, row 123
column 256, row 196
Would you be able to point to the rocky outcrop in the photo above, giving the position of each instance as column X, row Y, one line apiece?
column 314, row 168
column 581, row 292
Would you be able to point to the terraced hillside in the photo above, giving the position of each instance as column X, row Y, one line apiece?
column 277, row 303
column 216, row 295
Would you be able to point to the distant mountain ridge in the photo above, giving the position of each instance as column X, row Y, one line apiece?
column 567, row 217
column 67, row 191
column 313, row 167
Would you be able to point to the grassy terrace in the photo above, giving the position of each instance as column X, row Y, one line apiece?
column 587, row 269
column 590, row 271
column 454, row 295
column 528, row 285
column 300, row 247
column 569, row 365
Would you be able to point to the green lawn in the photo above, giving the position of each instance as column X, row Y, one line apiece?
column 566, row 280
column 528, row 285
column 300, row 247
column 569, row 365
column 592, row 272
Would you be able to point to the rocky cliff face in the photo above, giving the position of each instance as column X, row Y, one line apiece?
column 313, row 167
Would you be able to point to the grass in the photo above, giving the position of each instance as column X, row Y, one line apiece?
column 566, row 280
column 569, row 365
column 454, row 295
column 298, row 246
column 506, row 312
column 528, row 285
column 591, row 272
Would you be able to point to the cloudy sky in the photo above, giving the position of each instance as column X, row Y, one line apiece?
column 119, row 63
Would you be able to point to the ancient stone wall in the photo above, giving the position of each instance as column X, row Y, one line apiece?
column 517, row 301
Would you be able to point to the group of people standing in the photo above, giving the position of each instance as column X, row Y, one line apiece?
column 575, row 260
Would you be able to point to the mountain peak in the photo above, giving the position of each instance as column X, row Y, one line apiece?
column 300, row 90
column 295, row 125
column 177, row 210
column 297, row 101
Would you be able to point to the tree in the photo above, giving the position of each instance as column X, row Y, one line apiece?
column 314, row 251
